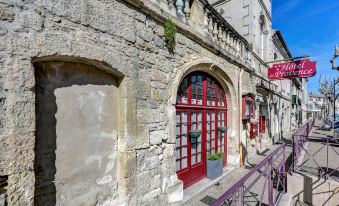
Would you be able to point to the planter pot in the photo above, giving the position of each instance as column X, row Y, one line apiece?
column 214, row 168
column 194, row 135
column 222, row 129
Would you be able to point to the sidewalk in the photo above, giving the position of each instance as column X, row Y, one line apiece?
column 208, row 196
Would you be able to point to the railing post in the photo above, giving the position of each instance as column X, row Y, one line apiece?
column 270, row 181
column 187, row 10
column 293, row 153
column 210, row 25
column 284, row 155
column 205, row 21
column 327, row 157
column 284, row 176
column 179, row 4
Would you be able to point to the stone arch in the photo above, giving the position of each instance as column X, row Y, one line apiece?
column 80, row 60
column 77, row 116
column 216, row 70
column 263, row 35
column 230, row 87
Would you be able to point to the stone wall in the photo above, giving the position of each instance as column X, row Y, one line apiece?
column 125, row 42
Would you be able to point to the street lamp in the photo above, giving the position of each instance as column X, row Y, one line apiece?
column 335, row 81
column 333, row 60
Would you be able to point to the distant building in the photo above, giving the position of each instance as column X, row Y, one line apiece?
column 317, row 106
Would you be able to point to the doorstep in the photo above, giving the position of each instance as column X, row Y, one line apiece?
column 204, row 184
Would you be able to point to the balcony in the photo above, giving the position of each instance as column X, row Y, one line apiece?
column 200, row 21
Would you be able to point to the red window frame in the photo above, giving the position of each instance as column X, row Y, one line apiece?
column 250, row 107
column 253, row 129
column 200, row 93
column 262, row 124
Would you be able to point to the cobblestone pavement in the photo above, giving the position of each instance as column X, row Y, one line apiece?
column 211, row 194
column 321, row 154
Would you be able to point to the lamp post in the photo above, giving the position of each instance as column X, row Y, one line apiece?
column 335, row 81
column 333, row 60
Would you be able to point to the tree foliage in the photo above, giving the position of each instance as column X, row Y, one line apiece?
column 326, row 88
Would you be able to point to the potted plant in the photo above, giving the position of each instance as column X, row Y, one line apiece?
column 214, row 165
column 194, row 135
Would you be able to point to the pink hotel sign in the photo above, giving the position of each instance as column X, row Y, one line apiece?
column 301, row 68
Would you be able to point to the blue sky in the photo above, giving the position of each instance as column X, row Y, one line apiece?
column 310, row 27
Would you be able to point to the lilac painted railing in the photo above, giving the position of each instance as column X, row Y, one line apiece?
column 271, row 176
column 299, row 137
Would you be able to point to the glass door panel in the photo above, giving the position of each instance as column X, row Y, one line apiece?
column 196, row 149
column 181, row 141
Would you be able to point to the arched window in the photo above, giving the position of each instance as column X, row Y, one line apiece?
column 201, row 106
column 262, row 24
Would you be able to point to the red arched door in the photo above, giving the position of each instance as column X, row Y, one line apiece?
column 201, row 105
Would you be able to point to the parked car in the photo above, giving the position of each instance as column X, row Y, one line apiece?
column 329, row 125
column 336, row 125
column 328, row 120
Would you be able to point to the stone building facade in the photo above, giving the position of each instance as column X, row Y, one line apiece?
column 89, row 98
column 253, row 20
column 283, row 109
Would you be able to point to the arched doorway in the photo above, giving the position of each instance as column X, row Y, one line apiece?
column 77, row 107
column 201, row 105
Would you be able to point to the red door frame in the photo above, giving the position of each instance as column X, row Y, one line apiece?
column 193, row 173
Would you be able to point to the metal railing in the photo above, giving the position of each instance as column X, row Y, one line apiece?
column 299, row 138
column 320, row 158
column 269, row 173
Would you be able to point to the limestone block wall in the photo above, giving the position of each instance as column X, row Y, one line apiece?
column 238, row 13
column 128, row 44
column 244, row 15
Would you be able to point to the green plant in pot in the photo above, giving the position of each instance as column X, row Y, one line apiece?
column 214, row 165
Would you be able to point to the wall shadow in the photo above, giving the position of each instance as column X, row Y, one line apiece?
column 50, row 76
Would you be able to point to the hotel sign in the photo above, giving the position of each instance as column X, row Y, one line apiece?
column 300, row 68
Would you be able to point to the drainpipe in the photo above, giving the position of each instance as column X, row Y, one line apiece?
column 240, row 114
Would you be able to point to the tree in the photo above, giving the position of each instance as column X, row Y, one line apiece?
column 325, row 87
